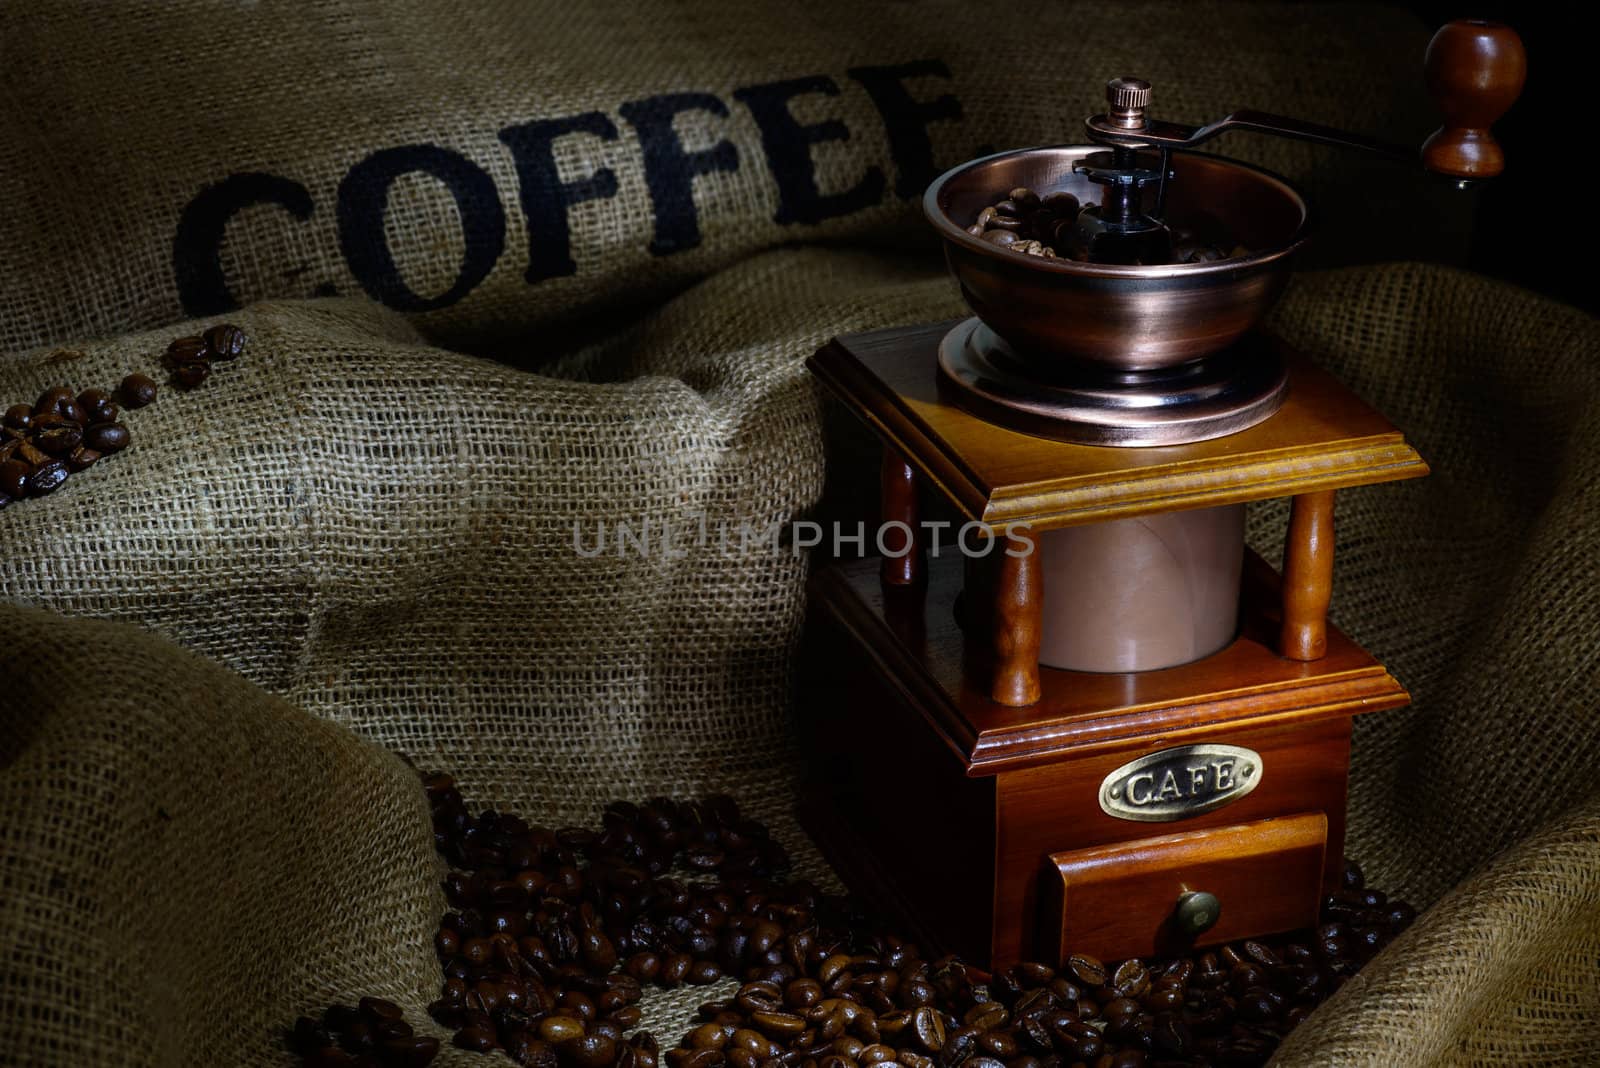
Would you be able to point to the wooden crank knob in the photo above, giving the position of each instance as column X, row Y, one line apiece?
column 1475, row 70
column 1196, row 913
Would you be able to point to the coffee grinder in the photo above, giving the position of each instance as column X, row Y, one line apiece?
column 1105, row 726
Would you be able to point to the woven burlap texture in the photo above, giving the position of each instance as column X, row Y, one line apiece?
column 380, row 532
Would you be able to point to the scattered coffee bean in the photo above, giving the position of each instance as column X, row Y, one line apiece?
column 62, row 433
column 224, row 341
column 58, row 441
column 137, row 391
column 46, row 477
column 190, row 375
column 97, row 406
column 107, row 437
column 14, row 477
column 188, row 350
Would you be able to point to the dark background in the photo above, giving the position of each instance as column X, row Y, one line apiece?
column 1528, row 230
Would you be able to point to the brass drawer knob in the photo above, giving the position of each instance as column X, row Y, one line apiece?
column 1197, row 912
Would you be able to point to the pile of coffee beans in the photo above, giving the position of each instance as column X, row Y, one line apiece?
column 190, row 357
column 554, row 935
column 1033, row 225
column 61, row 433
column 43, row 443
column 375, row 1027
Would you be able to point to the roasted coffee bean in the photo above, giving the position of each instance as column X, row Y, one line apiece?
column 1352, row 878
column 1024, row 198
column 1256, row 1005
column 106, row 437
column 1062, row 204
column 759, row 997
column 1262, row 954
column 1246, row 975
column 778, row 1025
column 675, row 969
column 1034, row 1035
column 97, row 406
column 224, row 341
column 1000, row 237
column 1000, row 1044
column 1031, row 974
column 190, row 375
column 409, row 1052
column 59, row 441
column 188, row 350
column 643, row 966
column 357, row 1036
column 46, row 478
column 987, row 1015
column 590, row 1051
column 57, row 400
column 1131, row 979
column 137, row 391
column 479, row 1038
column 308, row 1035
column 377, row 1009
column 1164, row 997
column 19, row 417
column 929, row 1028
column 1087, row 970
column 558, row 1029
column 703, row 972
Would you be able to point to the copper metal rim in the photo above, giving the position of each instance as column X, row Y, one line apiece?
column 1209, row 398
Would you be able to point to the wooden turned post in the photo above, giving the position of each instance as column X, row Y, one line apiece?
column 1307, row 577
column 1018, row 624
column 897, row 484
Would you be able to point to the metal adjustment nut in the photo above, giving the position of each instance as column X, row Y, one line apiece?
column 1197, row 912
column 1128, row 98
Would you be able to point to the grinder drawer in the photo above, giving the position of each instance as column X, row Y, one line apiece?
column 1122, row 900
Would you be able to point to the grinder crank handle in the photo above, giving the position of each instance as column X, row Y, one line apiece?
column 1475, row 70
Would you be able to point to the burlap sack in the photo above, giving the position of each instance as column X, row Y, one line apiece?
column 185, row 857
column 420, row 585
column 487, row 168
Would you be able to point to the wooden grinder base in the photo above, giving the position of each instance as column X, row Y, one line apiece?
column 956, row 782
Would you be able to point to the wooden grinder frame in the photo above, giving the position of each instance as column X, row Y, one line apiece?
column 956, row 782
